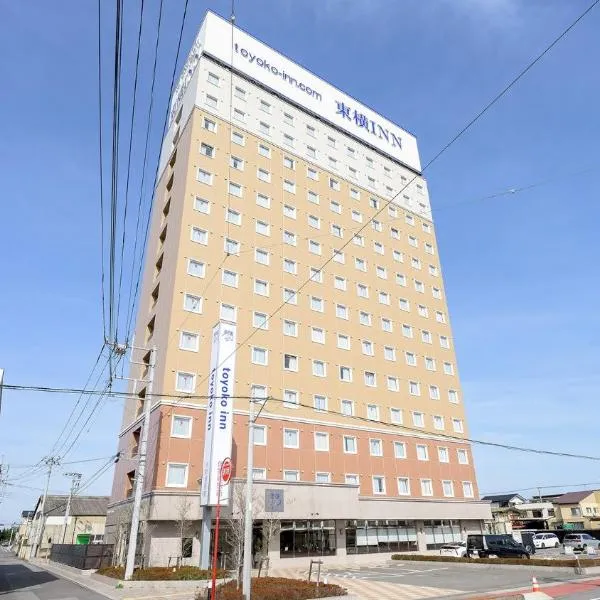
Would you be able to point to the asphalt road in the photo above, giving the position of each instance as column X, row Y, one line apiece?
column 21, row 581
column 463, row 577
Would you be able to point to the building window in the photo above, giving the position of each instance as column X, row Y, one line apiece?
column 228, row 313
column 384, row 298
column 396, row 416
column 189, row 341
column 239, row 115
column 290, row 328
column 209, row 125
column 261, row 256
column 202, row 205
column 426, row 336
column 414, row 388
column 378, row 484
column 448, row 368
column 314, row 247
column 362, row 290
column 365, row 318
column 468, row 489
column 375, row 447
column 443, row 455
column 381, row 272
column 264, row 150
column 347, row 408
column 290, row 296
column 192, row 303
column 463, row 457
column 322, row 477
column 230, row 278
column 263, row 200
column 291, row 438
column 318, row 368
column 258, row 392
column 453, row 396
column 422, row 310
column 386, row 325
column 316, row 304
column 372, row 412
column 434, row 392
column 233, row 216
column 411, row 359
column 339, row 257
column 290, row 266
column 444, row 342
column 317, row 335
column 290, row 399
column 289, row 186
column 313, row 197
column 367, row 348
column 211, row 101
column 345, row 373
column 358, row 240
column 260, row 356
column 290, row 362
column 181, row 427
column 407, row 331
column 426, row 487
column 265, row 106
column 260, row 320
column 400, row 450
column 185, row 382
column 403, row 486
column 457, row 425
column 370, row 379
column 422, row 452
column 334, row 184
column 195, row 268
column 321, row 441
column 207, row 150
column 264, row 175
column 289, row 238
column 392, row 384
column 349, row 444
column 429, row 363
column 177, row 475
column 264, row 128
column 232, row 246
column 343, row 341
column 260, row 435
column 259, row 474
column 341, row 311
column 263, row 228
column 320, row 403
column 289, row 475
column 379, row 248
column 199, row 236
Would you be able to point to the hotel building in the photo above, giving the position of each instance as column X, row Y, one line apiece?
column 299, row 215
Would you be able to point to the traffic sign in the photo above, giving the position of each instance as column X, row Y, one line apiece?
column 226, row 471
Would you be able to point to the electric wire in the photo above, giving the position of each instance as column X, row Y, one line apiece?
column 135, row 85
column 143, row 178
column 147, row 226
column 446, row 147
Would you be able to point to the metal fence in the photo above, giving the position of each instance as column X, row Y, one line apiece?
column 80, row 556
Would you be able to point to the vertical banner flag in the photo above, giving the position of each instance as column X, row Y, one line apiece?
column 219, row 412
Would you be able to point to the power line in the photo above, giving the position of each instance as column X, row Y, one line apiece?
column 135, row 84
column 371, row 422
column 101, row 167
column 71, row 462
column 451, row 142
column 143, row 179
column 541, row 487
column 147, row 227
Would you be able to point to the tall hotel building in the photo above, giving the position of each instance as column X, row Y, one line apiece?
column 280, row 195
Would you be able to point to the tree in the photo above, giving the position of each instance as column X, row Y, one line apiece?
column 184, row 525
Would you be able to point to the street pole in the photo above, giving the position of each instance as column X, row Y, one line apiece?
column 51, row 461
column 141, row 471
column 247, row 570
column 75, row 479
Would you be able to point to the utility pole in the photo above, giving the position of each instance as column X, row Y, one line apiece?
column 247, row 569
column 51, row 462
column 141, row 470
column 75, row 479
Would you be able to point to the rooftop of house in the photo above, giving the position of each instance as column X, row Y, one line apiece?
column 81, row 506
column 573, row 497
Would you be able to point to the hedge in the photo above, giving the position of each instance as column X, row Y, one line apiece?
column 277, row 588
column 534, row 562
column 162, row 573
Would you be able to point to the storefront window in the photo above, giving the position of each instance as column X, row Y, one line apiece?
column 366, row 537
column 438, row 533
column 307, row 538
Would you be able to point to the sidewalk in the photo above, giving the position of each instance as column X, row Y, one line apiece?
column 145, row 592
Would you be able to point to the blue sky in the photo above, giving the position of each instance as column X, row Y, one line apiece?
column 520, row 270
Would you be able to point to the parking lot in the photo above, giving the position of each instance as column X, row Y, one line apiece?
column 450, row 580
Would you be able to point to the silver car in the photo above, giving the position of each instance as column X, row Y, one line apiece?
column 581, row 541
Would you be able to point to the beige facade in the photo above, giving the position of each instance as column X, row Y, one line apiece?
column 342, row 322
column 583, row 514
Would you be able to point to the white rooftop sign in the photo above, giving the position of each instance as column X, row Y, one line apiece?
column 276, row 72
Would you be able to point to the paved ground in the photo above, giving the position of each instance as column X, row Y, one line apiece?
column 21, row 581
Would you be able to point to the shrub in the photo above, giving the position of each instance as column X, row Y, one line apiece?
column 162, row 573
column 277, row 588
column 534, row 562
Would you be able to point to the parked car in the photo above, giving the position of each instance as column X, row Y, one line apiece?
column 454, row 549
column 546, row 540
column 495, row 546
column 581, row 541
